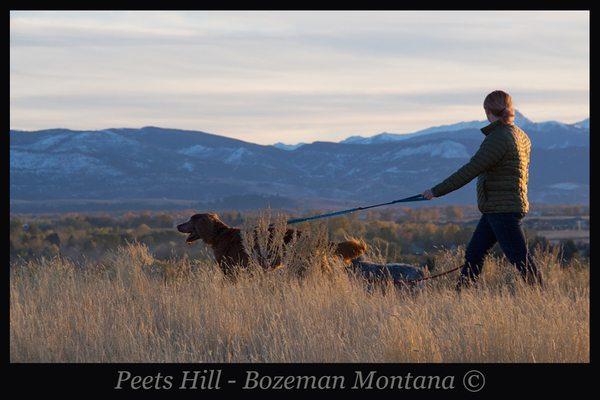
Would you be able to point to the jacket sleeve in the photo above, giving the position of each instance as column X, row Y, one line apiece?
column 490, row 152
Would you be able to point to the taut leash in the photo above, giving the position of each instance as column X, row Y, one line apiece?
column 418, row 197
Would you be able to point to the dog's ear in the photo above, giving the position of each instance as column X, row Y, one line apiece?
column 213, row 216
column 216, row 222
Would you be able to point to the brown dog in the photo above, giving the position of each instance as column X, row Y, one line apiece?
column 227, row 243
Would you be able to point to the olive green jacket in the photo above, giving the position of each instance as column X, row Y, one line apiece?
column 501, row 166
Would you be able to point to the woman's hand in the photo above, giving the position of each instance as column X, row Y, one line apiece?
column 428, row 194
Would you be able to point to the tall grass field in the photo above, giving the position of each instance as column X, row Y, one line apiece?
column 130, row 307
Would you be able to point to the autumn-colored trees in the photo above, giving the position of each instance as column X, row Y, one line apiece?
column 400, row 233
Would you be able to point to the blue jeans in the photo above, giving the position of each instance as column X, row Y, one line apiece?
column 506, row 229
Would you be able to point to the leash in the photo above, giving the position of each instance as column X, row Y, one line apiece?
column 418, row 197
column 427, row 277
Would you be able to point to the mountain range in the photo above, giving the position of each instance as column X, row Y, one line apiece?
column 58, row 166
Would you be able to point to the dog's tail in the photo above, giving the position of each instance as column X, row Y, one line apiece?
column 350, row 249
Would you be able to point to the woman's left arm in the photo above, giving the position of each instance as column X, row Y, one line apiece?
column 489, row 154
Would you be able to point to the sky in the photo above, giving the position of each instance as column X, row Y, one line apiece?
column 292, row 76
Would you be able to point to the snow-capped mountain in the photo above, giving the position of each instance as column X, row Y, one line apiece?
column 395, row 137
column 520, row 120
column 585, row 124
column 158, row 163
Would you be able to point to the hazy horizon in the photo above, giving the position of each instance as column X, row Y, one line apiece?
column 267, row 77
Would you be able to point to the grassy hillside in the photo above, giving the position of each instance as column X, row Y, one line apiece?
column 130, row 307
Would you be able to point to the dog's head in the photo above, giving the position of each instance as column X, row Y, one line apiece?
column 201, row 226
column 351, row 249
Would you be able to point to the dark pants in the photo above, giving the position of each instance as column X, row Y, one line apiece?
column 506, row 229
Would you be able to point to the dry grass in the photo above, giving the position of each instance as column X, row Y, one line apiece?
column 132, row 308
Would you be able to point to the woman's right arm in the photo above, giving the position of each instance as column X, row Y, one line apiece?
column 490, row 152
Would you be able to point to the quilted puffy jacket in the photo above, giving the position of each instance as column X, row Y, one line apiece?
column 501, row 166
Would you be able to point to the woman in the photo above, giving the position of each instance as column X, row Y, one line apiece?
column 501, row 166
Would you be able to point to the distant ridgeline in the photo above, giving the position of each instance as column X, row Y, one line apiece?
column 153, row 168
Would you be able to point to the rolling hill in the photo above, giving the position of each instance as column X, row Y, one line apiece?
column 170, row 164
